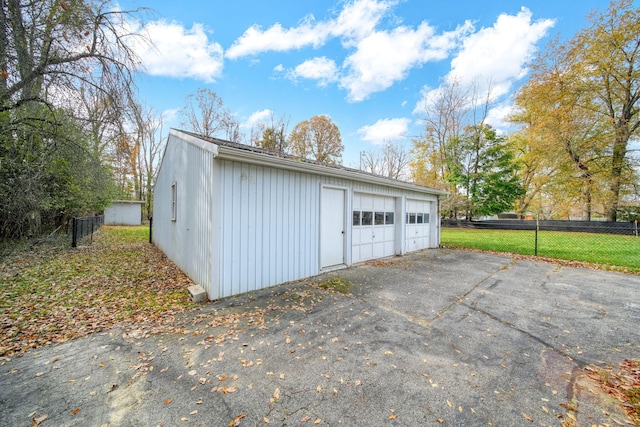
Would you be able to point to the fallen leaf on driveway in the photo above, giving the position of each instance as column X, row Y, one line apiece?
column 75, row 411
column 305, row 419
column 39, row 420
column 527, row 417
column 166, row 402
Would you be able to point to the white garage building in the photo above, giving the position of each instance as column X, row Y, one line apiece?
column 236, row 218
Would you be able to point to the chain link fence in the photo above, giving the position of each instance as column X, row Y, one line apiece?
column 606, row 244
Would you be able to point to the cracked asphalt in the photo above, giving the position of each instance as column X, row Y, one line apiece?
column 439, row 337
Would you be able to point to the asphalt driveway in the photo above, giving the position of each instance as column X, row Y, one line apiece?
column 439, row 337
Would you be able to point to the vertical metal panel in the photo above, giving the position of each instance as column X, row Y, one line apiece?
column 186, row 241
column 269, row 221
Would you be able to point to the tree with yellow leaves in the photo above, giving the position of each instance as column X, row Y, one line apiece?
column 318, row 139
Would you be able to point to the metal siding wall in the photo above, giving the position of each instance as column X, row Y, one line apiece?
column 270, row 232
column 186, row 241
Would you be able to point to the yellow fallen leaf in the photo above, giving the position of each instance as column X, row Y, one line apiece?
column 393, row 416
column 449, row 404
column 318, row 421
column 265, row 420
column 166, row 402
column 527, row 417
column 388, row 352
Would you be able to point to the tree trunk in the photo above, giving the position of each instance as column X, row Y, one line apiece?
column 617, row 166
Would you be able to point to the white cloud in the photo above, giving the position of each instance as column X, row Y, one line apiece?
column 170, row 117
column 384, row 57
column 322, row 69
column 359, row 19
column 378, row 58
column 498, row 117
column 499, row 54
column 356, row 19
column 179, row 52
column 385, row 130
column 257, row 118
column 494, row 58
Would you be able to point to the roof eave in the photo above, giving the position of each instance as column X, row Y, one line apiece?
column 230, row 153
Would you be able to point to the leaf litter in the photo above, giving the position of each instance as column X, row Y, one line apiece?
column 53, row 293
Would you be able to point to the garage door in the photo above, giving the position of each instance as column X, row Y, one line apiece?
column 373, row 232
column 418, row 225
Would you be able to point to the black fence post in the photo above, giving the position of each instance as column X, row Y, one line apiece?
column 536, row 239
column 150, row 229
column 74, row 240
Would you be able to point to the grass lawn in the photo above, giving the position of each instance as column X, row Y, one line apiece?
column 51, row 292
column 617, row 251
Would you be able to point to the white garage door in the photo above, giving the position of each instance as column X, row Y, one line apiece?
column 373, row 225
column 418, row 225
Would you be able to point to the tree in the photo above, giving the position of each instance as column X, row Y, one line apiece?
column 486, row 174
column 317, row 138
column 204, row 113
column 446, row 110
column 454, row 129
column 274, row 134
column 608, row 57
column 150, row 143
column 390, row 161
column 50, row 52
column 561, row 125
column 582, row 104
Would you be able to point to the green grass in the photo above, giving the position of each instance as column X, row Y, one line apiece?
column 336, row 284
column 601, row 249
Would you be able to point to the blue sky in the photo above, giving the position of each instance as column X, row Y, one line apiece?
column 368, row 64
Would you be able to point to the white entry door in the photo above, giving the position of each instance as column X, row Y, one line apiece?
column 332, row 230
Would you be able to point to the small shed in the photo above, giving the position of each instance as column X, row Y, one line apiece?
column 124, row 212
column 237, row 218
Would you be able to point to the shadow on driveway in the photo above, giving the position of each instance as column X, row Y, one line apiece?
column 439, row 337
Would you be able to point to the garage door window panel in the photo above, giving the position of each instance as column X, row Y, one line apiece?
column 367, row 218
column 356, row 218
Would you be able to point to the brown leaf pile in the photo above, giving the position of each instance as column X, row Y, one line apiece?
column 623, row 385
column 53, row 293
